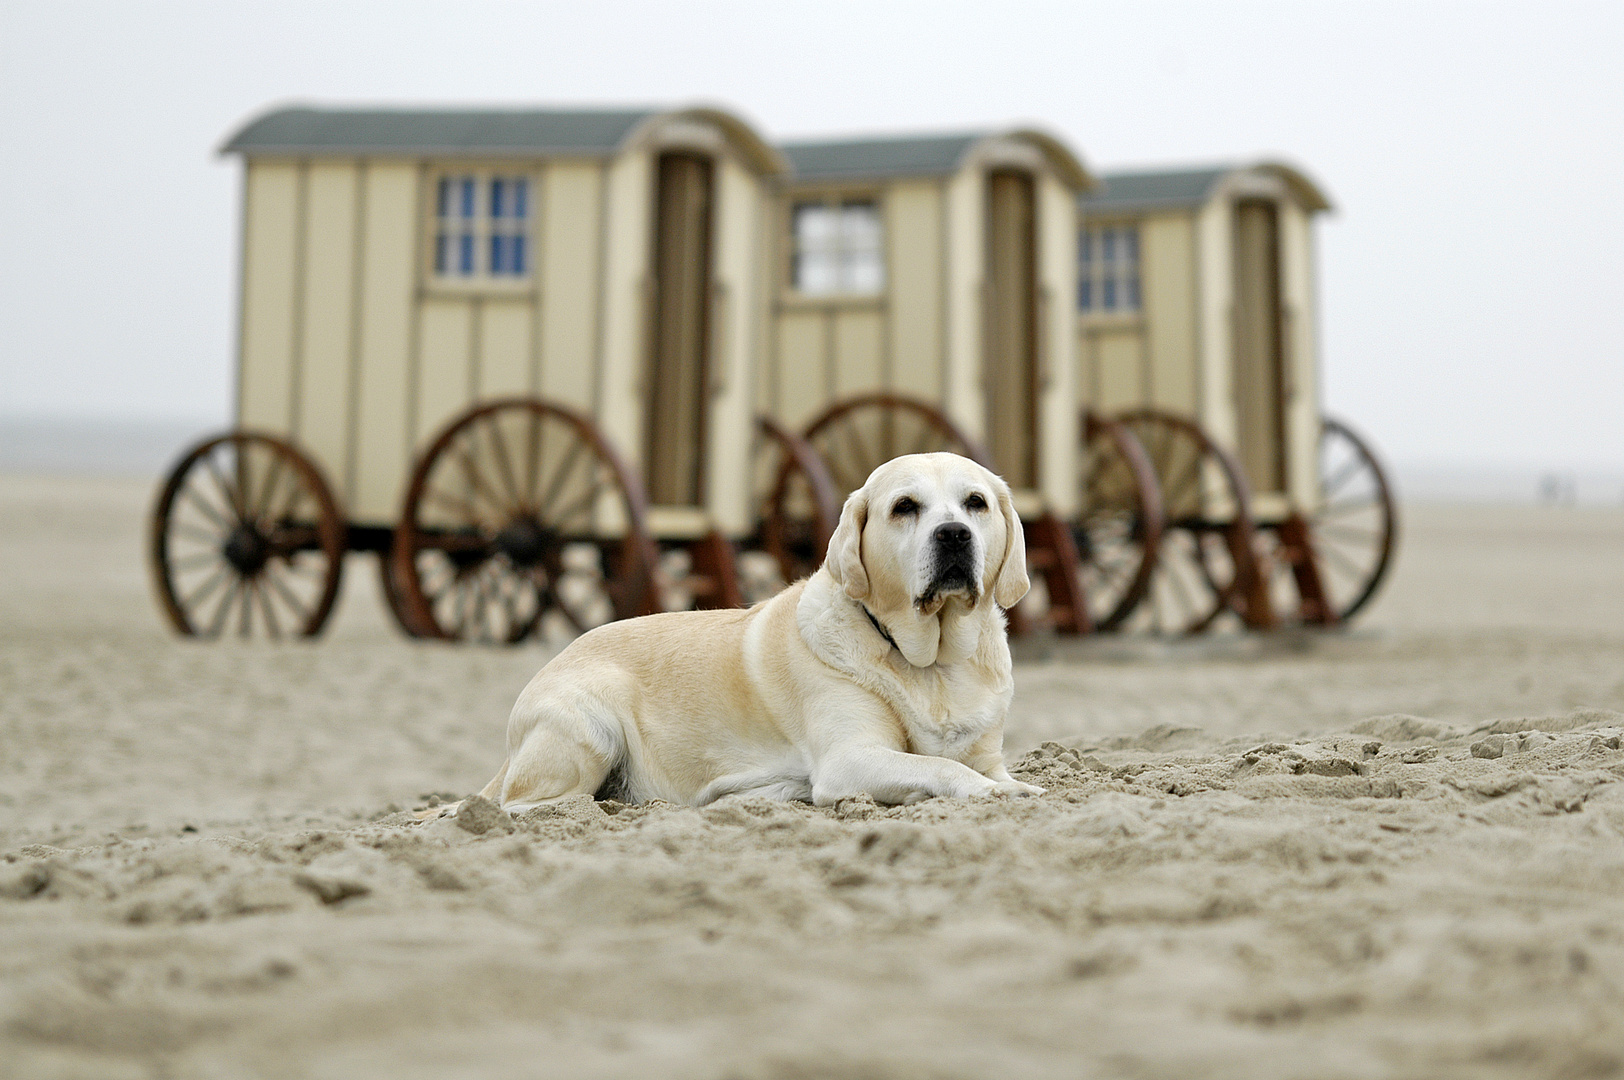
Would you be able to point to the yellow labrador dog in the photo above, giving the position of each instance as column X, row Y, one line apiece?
column 885, row 673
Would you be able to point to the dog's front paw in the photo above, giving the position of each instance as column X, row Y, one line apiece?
column 1014, row 789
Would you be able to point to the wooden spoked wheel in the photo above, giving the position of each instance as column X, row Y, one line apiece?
column 1205, row 566
column 246, row 538
column 798, row 506
column 1118, row 530
column 1327, row 563
column 521, row 520
column 857, row 435
column 393, row 590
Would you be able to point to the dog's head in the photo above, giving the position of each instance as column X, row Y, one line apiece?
column 929, row 532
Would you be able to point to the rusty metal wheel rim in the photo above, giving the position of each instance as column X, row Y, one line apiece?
column 903, row 425
column 1196, row 580
column 1353, row 528
column 251, row 542
column 1118, row 529
column 515, row 546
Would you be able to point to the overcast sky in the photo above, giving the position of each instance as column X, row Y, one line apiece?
column 1472, row 292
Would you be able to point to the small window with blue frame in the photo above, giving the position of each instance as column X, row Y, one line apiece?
column 1108, row 269
column 482, row 227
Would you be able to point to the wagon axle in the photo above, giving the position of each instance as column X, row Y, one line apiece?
column 246, row 549
column 525, row 542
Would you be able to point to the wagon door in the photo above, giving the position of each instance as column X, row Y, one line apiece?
column 1259, row 362
column 1011, row 357
column 674, row 424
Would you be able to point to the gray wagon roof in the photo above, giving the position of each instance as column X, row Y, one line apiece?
column 920, row 155
column 436, row 131
column 1189, row 187
column 910, row 156
column 1179, row 188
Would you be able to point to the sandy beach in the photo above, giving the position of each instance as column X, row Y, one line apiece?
column 1392, row 851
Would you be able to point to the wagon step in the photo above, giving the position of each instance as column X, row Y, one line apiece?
column 1051, row 551
column 715, row 580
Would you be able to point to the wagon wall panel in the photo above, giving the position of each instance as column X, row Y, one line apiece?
column 966, row 280
column 271, row 209
column 803, row 378
column 383, row 437
column 627, row 304
column 326, row 351
column 443, row 375
column 1167, row 252
column 913, row 218
column 1118, row 355
column 505, row 353
column 1088, row 392
column 1058, row 436
column 1300, row 342
column 859, row 351
column 733, row 347
column 1215, row 274
column 571, row 237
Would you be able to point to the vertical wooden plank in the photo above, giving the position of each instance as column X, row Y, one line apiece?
column 1215, row 284
column 504, row 347
column 270, row 246
column 965, row 245
column 1118, row 351
column 734, row 349
column 1167, row 282
column 1087, row 381
column 913, row 218
column 1059, row 434
column 803, row 388
column 383, row 439
column 352, row 380
column 323, row 380
column 859, row 351
column 1301, row 334
column 444, row 364
column 626, row 303
column 570, row 277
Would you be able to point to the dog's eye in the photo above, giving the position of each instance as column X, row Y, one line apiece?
column 903, row 507
column 975, row 502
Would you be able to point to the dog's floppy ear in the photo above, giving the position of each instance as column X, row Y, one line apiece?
column 1011, row 583
column 845, row 559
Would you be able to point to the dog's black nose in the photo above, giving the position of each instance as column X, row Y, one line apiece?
column 952, row 534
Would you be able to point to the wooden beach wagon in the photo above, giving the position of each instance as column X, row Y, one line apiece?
column 1197, row 326
column 510, row 352
column 921, row 300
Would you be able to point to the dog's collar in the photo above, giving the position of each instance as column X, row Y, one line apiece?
column 880, row 627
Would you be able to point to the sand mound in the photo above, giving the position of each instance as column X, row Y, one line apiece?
column 1412, row 893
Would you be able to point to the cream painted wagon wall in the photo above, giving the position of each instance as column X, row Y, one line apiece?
column 827, row 348
column 1131, row 360
column 1058, row 418
column 1300, row 340
column 1214, row 225
column 964, row 396
column 734, row 344
column 352, row 351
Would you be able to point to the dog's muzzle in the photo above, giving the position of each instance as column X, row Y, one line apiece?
column 952, row 562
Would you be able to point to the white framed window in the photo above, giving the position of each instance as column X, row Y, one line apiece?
column 1108, row 269
column 837, row 247
column 481, row 227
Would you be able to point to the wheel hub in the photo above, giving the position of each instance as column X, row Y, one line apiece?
column 246, row 549
column 523, row 541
